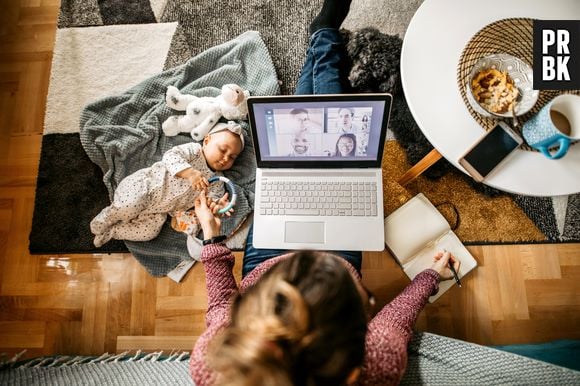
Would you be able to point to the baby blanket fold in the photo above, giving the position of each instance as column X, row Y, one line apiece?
column 122, row 133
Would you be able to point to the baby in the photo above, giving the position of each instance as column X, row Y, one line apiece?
column 143, row 199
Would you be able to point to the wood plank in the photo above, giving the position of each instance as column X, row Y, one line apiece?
column 22, row 334
column 155, row 343
column 547, row 292
column 508, row 292
column 143, row 292
column 541, row 262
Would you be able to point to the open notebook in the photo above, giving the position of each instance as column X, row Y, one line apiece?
column 415, row 232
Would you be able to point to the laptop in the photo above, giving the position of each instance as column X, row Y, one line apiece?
column 319, row 177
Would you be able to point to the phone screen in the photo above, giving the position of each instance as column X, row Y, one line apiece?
column 492, row 149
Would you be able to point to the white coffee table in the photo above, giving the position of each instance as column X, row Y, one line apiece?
column 432, row 46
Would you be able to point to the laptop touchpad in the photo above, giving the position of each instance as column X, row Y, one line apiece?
column 304, row 232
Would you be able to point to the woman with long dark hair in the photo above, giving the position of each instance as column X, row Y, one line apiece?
column 345, row 145
column 303, row 318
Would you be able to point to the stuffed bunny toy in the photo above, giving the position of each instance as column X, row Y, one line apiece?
column 202, row 113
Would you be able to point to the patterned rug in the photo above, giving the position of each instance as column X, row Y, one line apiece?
column 104, row 47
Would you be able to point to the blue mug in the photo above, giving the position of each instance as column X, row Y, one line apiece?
column 555, row 126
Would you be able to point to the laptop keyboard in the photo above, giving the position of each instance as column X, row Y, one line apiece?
column 300, row 198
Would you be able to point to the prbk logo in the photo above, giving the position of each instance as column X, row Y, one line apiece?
column 556, row 54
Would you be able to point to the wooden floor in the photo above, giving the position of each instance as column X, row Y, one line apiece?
column 90, row 304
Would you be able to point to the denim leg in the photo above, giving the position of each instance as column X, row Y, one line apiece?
column 353, row 257
column 325, row 68
column 304, row 85
column 324, row 72
column 254, row 256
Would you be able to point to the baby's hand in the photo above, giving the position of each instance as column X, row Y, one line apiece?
column 197, row 180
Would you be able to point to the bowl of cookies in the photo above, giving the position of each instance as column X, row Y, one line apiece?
column 500, row 85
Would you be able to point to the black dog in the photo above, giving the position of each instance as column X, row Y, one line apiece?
column 375, row 67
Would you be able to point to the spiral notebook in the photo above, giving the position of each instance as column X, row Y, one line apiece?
column 415, row 232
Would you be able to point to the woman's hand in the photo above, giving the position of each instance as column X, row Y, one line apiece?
column 441, row 265
column 224, row 201
column 207, row 216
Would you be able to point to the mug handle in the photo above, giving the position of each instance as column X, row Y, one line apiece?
column 564, row 145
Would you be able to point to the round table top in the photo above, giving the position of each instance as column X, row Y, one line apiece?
column 432, row 47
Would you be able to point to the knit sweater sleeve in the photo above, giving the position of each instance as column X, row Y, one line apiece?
column 218, row 262
column 390, row 331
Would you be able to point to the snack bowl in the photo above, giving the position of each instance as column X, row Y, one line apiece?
column 521, row 76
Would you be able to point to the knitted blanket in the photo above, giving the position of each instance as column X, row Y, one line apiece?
column 122, row 133
column 433, row 360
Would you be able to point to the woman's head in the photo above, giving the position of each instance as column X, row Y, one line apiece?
column 303, row 323
column 346, row 145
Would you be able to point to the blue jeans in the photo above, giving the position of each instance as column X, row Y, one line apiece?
column 324, row 72
column 254, row 256
column 325, row 69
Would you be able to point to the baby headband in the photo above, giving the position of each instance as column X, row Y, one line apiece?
column 230, row 126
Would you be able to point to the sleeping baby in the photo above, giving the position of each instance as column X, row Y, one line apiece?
column 143, row 199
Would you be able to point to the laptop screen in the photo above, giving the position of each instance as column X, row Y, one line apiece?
column 319, row 130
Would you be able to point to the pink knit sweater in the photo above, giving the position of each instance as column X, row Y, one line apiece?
column 388, row 332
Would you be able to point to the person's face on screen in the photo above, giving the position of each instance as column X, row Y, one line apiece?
column 365, row 123
column 345, row 118
column 302, row 119
column 300, row 144
column 345, row 146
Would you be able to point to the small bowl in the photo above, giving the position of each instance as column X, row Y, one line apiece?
column 520, row 72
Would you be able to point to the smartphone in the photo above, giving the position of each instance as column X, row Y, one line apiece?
column 490, row 151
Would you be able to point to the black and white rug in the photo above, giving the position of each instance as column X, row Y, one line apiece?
column 104, row 47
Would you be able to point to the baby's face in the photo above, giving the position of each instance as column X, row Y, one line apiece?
column 221, row 150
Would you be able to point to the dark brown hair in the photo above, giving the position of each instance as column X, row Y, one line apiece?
column 302, row 323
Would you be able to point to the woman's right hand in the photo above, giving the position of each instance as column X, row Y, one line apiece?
column 441, row 265
column 207, row 216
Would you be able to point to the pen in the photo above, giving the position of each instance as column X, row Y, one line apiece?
column 452, row 268
column 454, row 274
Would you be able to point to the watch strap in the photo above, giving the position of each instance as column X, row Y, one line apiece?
column 214, row 240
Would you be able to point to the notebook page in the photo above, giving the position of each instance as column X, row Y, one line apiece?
column 411, row 227
column 424, row 260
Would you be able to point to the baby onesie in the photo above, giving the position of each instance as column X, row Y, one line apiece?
column 143, row 199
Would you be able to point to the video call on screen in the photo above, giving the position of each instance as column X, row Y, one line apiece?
column 320, row 132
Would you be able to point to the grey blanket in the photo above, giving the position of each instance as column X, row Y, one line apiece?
column 122, row 133
column 433, row 360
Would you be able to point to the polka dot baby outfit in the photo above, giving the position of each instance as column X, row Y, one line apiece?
column 143, row 199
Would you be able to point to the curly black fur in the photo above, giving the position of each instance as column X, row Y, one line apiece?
column 375, row 67
column 375, row 59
